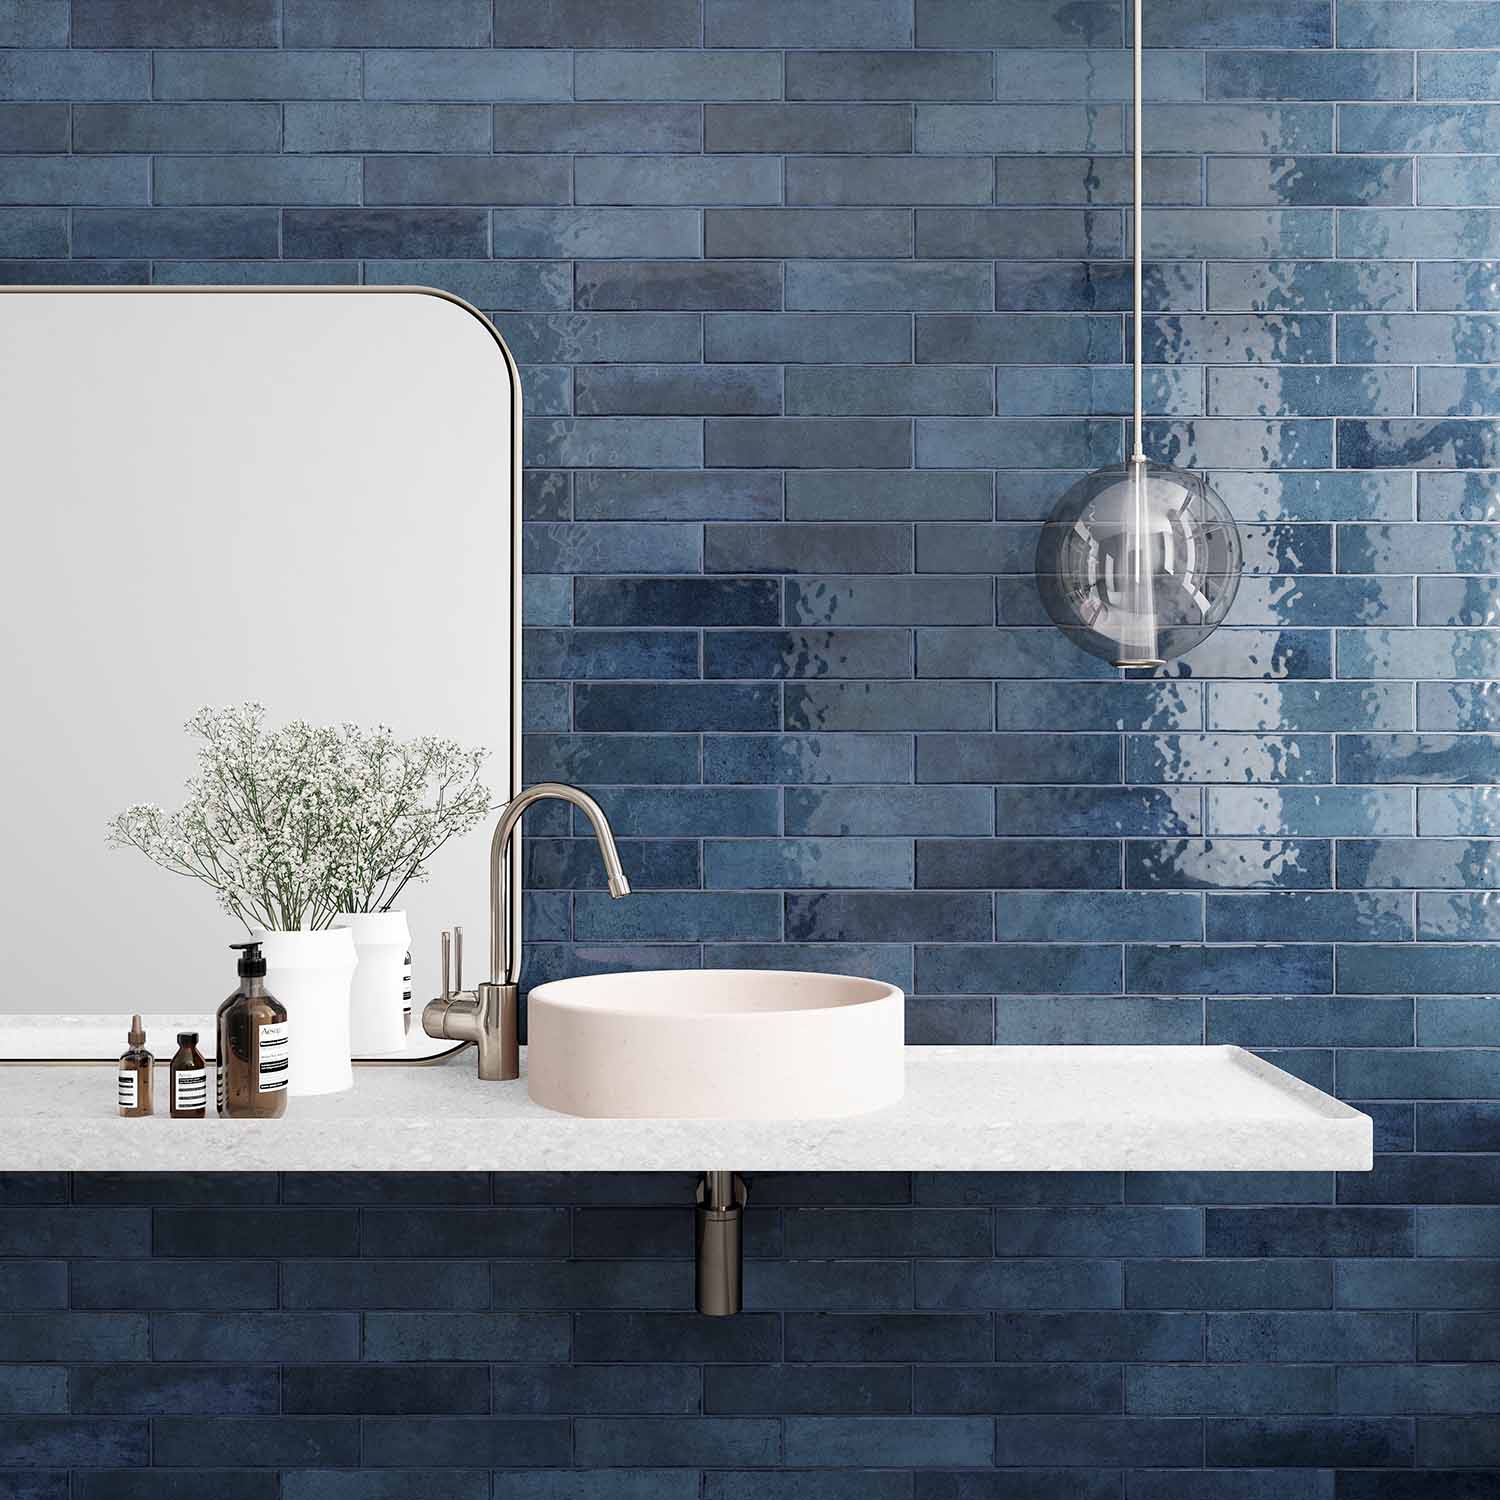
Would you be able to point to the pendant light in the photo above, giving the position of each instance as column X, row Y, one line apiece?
column 1141, row 562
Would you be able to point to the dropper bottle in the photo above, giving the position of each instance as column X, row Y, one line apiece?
column 137, row 1074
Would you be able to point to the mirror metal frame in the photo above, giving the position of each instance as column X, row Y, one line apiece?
column 513, row 376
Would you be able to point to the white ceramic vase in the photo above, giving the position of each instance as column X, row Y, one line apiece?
column 310, row 973
column 382, row 939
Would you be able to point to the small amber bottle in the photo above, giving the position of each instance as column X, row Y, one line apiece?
column 252, row 1048
column 135, row 1093
column 189, row 1079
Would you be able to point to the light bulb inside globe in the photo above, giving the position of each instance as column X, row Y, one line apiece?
column 1138, row 564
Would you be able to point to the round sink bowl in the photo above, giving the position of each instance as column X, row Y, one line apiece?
column 726, row 1044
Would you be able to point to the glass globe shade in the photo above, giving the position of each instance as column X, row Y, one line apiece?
column 1138, row 564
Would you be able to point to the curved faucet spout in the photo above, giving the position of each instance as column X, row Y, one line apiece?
column 505, row 892
column 488, row 1015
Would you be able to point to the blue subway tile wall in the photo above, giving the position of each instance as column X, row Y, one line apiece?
column 819, row 307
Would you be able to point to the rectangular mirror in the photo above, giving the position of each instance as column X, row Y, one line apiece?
column 306, row 498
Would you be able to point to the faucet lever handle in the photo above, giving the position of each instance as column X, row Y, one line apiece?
column 447, row 942
column 458, row 959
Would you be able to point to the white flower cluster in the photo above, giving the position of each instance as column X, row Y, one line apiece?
column 291, row 826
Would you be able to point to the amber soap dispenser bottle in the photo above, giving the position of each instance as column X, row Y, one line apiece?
column 253, row 1045
column 136, row 1074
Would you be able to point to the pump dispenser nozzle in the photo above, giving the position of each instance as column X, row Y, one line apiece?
column 252, row 963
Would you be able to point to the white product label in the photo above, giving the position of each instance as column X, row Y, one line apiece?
column 130, row 1090
column 219, row 1078
column 406, row 978
column 190, row 1089
column 275, row 1058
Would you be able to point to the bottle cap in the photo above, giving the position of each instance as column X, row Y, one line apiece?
column 252, row 960
column 137, row 1036
column 187, row 1038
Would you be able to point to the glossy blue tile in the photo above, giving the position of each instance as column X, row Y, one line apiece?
column 676, row 916
column 1302, row 969
column 890, row 601
column 929, row 285
column 1238, row 338
column 1024, row 968
column 889, row 917
column 1438, row 233
column 1225, row 1285
column 1274, row 655
column 1106, row 1020
column 945, row 864
column 1220, row 231
column 1342, row 496
column 1099, row 706
column 1286, row 759
column 1316, row 391
column 1456, row 601
column 1373, row 181
column 1416, row 654
column 929, row 810
column 1448, row 392
column 1423, row 548
column 1452, row 969
column 1089, row 180
column 1309, row 286
column 806, row 653
column 1100, row 1335
column 888, row 705
column 1458, row 705
column 663, row 707
column 1017, row 758
column 1457, row 497
column 1316, row 601
column 1002, row 653
column 1408, row 864
column 671, row 601
column 1458, row 285
column 1233, row 128
column 882, row 494
column 610, row 759
column 1308, row 706
column 775, row 864
column 610, row 653
column 1100, row 391
column 1310, row 812
column 1101, row 811
column 817, row 759
column 1095, row 286
column 1458, row 810
column 1416, row 757
column 1308, row 1022
column 565, row 864
column 1217, row 863
column 1098, row 916
column 1309, row 75
column 1462, row 1021
column 1236, row 442
column 1308, row 916
column 1444, row 916
column 209, row 74
column 889, row 961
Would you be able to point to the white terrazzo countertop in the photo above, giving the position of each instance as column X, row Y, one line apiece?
column 1032, row 1109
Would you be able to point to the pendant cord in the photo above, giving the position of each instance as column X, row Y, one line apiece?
column 1139, row 454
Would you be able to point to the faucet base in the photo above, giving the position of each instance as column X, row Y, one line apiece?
column 720, row 1242
column 487, row 1016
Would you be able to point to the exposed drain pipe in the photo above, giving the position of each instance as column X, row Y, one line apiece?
column 720, row 1244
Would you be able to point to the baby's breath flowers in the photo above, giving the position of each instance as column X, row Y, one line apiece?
column 291, row 826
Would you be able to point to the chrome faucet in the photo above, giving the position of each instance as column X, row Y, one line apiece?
column 488, row 1016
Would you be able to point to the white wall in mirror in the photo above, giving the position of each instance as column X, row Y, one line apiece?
column 304, row 498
